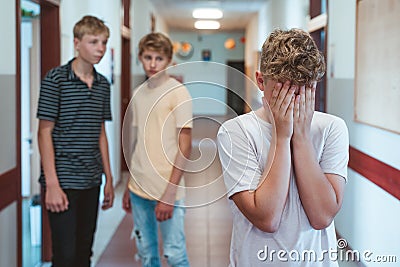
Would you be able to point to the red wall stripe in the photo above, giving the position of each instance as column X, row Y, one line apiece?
column 382, row 174
column 8, row 188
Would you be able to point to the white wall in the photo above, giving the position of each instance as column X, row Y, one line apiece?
column 7, row 30
column 252, row 34
column 141, row 25
column 286, row 14
column 72, row 11
column 369, row 216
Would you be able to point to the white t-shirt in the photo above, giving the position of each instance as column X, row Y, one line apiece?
column 244, row 145
column 158, row 114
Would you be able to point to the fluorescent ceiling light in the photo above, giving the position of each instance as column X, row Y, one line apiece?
column 207, row 25
column 207, row 13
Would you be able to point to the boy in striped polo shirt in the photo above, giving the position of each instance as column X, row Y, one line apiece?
column 74, row 103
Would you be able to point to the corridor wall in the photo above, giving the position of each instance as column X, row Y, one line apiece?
column 8, row 140
column 369, row 217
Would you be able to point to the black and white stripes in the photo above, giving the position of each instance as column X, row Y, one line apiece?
column 78, row 112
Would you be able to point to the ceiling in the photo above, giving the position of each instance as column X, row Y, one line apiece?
column 177, row 14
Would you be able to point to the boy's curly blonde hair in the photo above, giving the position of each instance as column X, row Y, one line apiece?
column 292, row 55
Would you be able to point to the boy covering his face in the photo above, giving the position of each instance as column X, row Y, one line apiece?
column 285, row 172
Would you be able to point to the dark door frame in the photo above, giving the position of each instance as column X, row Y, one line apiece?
column 235, row 102
column 320, row 37
column 50, row 56
column 125, row 71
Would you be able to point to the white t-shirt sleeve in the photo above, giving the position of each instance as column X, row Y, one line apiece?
column 240, row 167
column 335, row 156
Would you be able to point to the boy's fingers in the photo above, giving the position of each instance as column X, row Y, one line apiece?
column 275, row 93
column 302, row 103
column 283, row 92
column 287, row 101
column 279, row 95
column 308, row 95
column 289, row 110
column 313, row 89
column 296, row 111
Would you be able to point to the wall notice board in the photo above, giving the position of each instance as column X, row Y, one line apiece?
column 377, row 77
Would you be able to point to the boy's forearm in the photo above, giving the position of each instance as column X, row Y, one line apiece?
column 103, row 143
column 46, row 150
column 270, row 197
column 264, row 206
column 317, row 194
column 175, row 179
column 185, row 148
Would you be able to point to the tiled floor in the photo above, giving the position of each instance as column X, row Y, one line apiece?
column 108, row 222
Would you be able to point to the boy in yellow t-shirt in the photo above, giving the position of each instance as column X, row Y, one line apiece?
column 162, row 122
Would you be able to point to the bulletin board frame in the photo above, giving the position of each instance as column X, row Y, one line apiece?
column 377, row 73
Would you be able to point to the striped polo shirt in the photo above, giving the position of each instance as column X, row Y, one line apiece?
column 78, row 113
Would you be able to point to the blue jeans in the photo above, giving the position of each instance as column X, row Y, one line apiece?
column 146, row 233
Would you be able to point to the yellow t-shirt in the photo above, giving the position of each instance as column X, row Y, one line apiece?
column 158, row 114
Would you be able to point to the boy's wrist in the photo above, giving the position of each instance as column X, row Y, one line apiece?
column 170, row 191
column 297, row 140
column 52, row 183
column 283, row 140
column 109, row 178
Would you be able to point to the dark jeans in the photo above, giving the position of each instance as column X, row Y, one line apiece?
column 72, row 231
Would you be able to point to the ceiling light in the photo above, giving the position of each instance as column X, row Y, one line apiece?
column 207, row 13
column 207, row 25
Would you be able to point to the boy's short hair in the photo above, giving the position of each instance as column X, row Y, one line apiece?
column 90, row 25
column 292, row 55
column 156, row 42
